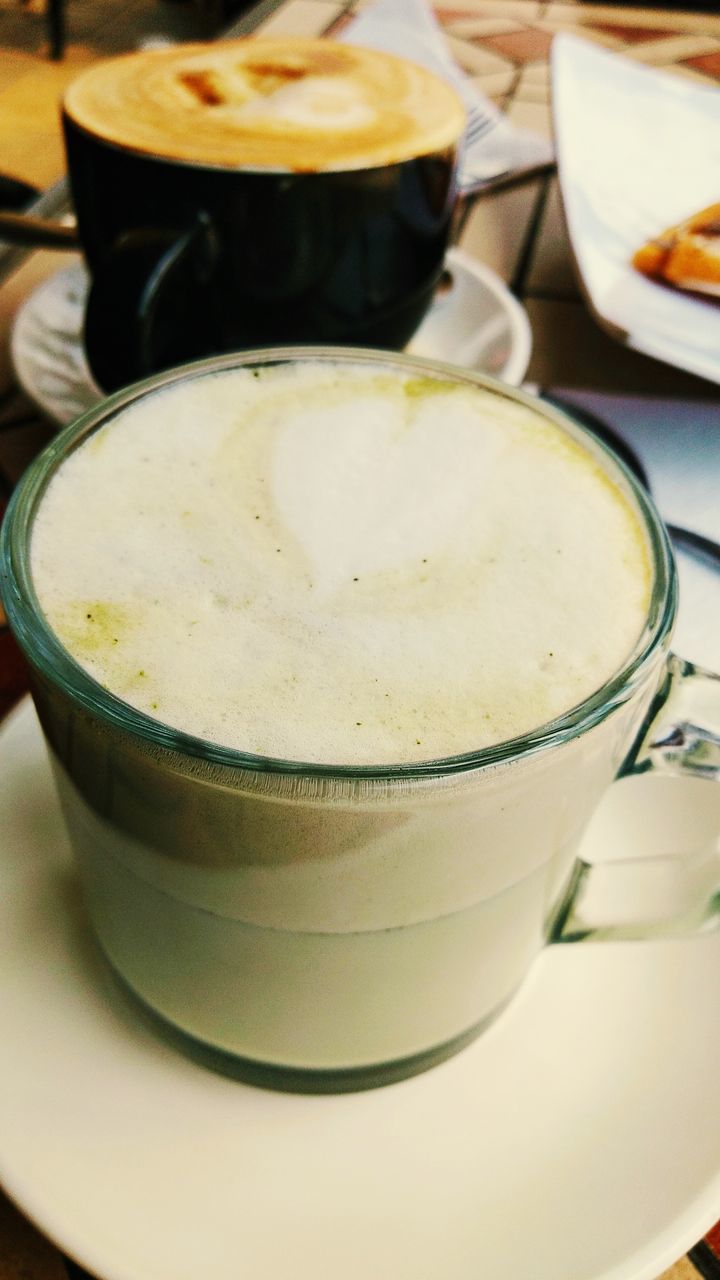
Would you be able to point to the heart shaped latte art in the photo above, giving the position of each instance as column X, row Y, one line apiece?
column 383, row 482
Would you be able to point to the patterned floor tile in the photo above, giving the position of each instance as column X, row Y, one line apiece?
column 707, row 63
column 473, row 28
column 595, row 34
column 632, row 35
column 496, row 84
column 524, row 46
column 536, row 73
column 687, row 72
column 662, row 19
column 523, row 10
column 477, row 59
column 675, row 48
column 531, row 115
column 531, row 91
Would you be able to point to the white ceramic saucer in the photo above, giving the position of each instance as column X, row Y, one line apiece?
column 475, row 321
column 578, row 1139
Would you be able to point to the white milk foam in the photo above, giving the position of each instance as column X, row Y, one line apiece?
column 339, row 563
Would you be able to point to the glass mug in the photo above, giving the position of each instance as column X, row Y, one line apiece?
column 325, row 928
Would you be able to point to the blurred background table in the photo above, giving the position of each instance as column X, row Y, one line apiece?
column 504, row 45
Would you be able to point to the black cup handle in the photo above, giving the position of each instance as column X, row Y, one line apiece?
column 150, row 304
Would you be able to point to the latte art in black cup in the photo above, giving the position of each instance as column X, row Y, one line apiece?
column 305, row 106
column 257, row 191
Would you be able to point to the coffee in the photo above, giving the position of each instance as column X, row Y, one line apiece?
column 299, row 105
column 331, row 563
column 332, row 568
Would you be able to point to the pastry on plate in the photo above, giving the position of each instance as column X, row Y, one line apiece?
column 686, row 255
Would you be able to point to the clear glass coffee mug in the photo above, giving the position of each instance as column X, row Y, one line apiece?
column 327, row 928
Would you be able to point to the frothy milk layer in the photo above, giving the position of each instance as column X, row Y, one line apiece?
column 292, row 104
column 337, row 563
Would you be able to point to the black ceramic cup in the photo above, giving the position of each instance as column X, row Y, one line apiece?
column 257, row 192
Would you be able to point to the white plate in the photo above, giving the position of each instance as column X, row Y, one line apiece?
column 474, row 321
column 578, row 1139
column 47, row 350
column 638, row 150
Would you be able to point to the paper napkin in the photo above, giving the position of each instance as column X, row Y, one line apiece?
column 493, row 146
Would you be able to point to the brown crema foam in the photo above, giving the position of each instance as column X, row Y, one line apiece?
column 291, row 104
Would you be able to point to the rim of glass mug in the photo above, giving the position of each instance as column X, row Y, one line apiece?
column 46, row 652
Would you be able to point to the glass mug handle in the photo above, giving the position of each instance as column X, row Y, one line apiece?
column 667, row 895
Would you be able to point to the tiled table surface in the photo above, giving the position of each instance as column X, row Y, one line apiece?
column 504, row 45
